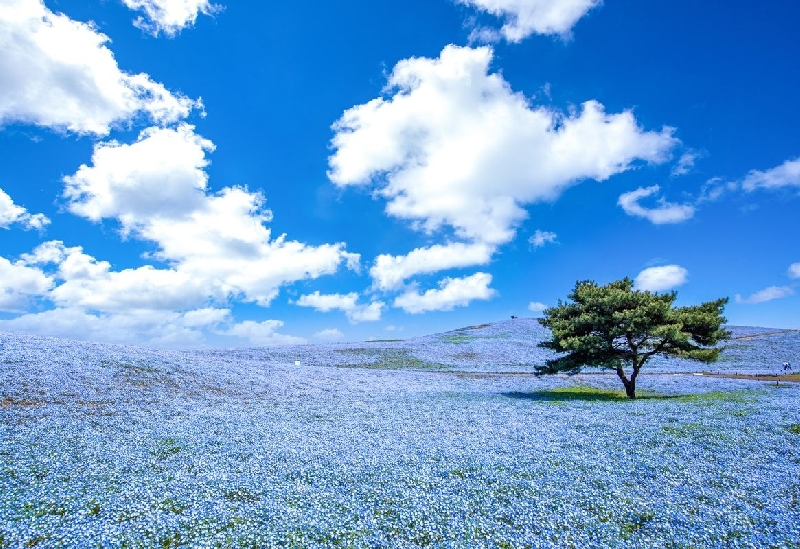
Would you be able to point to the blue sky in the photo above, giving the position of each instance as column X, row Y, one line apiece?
column 185, row 173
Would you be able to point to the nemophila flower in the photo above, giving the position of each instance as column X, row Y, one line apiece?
column 422, row 443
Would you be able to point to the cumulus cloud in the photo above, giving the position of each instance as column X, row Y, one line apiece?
column 155, row 188
column 536, row 306
column 11, row 213
column 59, row 73
column 160, row 175
column 657, row 279
column 525, row 17
column 261, row 333
column 540, row 238
column 452, row 292
column 89, row 284
column 343, row 302
column 452, row 145
column 666, row 212
column 767, row 294
column 329, row 334
column 390, row 271
column 158, row 328
column 19, row 283
column 785, row 175
column 170, row 16
column 794, row 270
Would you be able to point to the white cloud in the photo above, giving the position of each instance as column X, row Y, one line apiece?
column 261, row 333
column 525, row 17
column 657, row 279
column 170, row 16
column 715, row 188
column 389, row 271
column 536, row 306
column 158, row 328
column 454, row 146
column 59, row 73
column 18, row 283
column 89, row 284
column 216, row 244
column 767, row 294
column 344, row 302
column 685, row 163
column 11, row 213
column 329, row 334
column 540, row 238
column 205, row 317
column 785, row 175
column 794, row 270
column 328, row 302
column 452, row 292
column 666, row 212
column 160, row 175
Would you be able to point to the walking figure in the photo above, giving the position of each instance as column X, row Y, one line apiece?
column 787, row 367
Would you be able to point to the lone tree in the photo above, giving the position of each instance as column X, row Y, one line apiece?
column 615, row 326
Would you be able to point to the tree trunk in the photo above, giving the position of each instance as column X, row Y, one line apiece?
column 630, row 388
column 630, row 384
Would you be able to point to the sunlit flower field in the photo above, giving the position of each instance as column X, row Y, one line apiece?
column 442, row 441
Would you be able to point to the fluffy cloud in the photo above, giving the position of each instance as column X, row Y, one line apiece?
column 666, row 212
column 155, row 188
column 453, row 146
column 785, row 175
column 525, row 17
column 11, row 213
column 540, row 238
column 58, row 73
column 159, row 328
column 657, row 279
column 89, row 284
column 452, row 292
column 343, row 302
column 160, row 175
column 389, row 272
column 536, row 306
column 794, row 270
column 329, row 334
column 18, row 283
column 261, row 333
column 767, row 294
column 169, row 16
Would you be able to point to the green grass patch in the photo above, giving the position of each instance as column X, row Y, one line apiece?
column 794, row 428
column 166, row 448
column 737, row 397
column 457, row 339
column 397, row 359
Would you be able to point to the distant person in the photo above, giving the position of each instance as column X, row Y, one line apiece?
column 787, row 367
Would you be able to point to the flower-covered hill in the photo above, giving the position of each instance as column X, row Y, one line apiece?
column 442, row 441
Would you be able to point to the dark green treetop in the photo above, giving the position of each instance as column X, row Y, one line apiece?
column 615, row 326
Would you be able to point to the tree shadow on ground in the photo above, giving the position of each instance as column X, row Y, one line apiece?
column 562, row 395
column 592, row 394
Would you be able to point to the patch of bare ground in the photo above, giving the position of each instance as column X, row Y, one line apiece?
column 793, row 378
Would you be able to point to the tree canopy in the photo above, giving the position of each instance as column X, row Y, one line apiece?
column 615, row 326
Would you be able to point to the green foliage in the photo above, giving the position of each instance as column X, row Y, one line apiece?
column 614, row 326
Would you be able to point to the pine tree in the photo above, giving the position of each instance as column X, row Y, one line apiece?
column 615, row 326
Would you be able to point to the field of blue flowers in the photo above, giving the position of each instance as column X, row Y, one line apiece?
column 442, row 441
